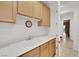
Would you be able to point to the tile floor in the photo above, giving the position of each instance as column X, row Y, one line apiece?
column 66, row 49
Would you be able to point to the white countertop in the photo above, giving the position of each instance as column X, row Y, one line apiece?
column 21, row 47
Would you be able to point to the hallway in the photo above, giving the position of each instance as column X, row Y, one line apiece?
column 69, row 11
column 66, row 49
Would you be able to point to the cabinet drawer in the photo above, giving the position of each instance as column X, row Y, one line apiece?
column 32, row 53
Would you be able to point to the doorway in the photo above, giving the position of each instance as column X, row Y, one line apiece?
column 67, row 28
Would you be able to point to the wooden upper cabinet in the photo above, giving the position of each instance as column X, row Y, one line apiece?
column 7, row 11
column 37, row 9
column 25, row 8
column 45, row 16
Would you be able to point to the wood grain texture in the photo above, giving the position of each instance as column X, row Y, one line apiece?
column 44, row 50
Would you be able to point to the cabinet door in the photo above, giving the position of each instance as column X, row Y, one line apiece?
column 25, row 8
column 32, row 53
column 6, row 11
column 52, row 47
column 44, row 50
column 37, row 9
column 14, row 10
column 45, row 16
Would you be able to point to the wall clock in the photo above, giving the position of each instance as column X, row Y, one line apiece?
column 28, row 24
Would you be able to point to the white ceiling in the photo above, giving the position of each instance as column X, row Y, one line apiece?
column 68, row 6
column 50, row 4
column 64, row 3
column 65, row 6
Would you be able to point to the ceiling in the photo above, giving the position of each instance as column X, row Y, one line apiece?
column 50, row 4
column 68, row 6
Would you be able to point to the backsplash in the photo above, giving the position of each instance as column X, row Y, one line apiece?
column 19, row 31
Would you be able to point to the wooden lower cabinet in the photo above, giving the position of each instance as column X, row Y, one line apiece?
column 47, row 49
column 32, row 53
column 52, row 47
column 44, row 50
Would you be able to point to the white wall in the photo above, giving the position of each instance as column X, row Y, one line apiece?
column 34, row 30
column 76, row 29
column 54, row 21
column 54, row 18
column 15, row 32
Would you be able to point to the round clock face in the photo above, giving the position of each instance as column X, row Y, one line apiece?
column 28, row 24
